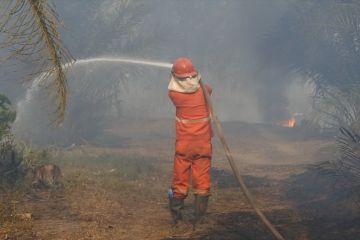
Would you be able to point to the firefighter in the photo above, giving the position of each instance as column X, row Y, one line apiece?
column 193, row 148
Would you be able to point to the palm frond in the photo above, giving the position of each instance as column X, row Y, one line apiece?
column 29, row 32
column 349, row 149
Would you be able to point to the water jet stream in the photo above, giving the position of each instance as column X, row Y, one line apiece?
column 124, row 60
column 38, row 80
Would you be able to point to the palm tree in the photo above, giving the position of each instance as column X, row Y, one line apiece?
column 320, row 40
column 29, row 33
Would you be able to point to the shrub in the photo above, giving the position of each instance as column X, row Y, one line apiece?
column 6, row 115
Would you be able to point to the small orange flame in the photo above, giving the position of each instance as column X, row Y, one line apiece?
column 289, row 123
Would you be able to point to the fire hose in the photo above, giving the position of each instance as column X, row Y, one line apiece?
column 243, row 187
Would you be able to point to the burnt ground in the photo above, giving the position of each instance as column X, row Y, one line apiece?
column 116, row 189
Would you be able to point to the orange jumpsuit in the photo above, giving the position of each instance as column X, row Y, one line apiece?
column 193, row 149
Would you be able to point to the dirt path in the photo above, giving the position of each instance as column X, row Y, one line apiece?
column 120, row 192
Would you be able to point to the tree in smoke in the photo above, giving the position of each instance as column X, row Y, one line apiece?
column 321, row 41
column 96, row 87
column 97, row 92
column 6, row 115
column 29, row 33
column 10, row 158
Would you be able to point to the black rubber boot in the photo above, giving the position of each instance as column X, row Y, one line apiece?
column 201, row 203
column 176, row 205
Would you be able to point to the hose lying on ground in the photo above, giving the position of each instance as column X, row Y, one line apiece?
column 244, row 189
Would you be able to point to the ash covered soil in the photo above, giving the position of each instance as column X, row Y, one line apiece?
column 116, row 189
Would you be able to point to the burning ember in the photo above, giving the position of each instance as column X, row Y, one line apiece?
column 289, row 123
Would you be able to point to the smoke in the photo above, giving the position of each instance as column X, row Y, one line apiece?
column 93, row 100
column 222, row 38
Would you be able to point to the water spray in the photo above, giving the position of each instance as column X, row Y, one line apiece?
column 38, row 80
column 124, row 60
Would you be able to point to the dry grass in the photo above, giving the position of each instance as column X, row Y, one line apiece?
column 104, row 196
column 120, row 193
column 14, row 224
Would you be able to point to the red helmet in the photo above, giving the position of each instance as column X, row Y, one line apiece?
column 183, row 68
